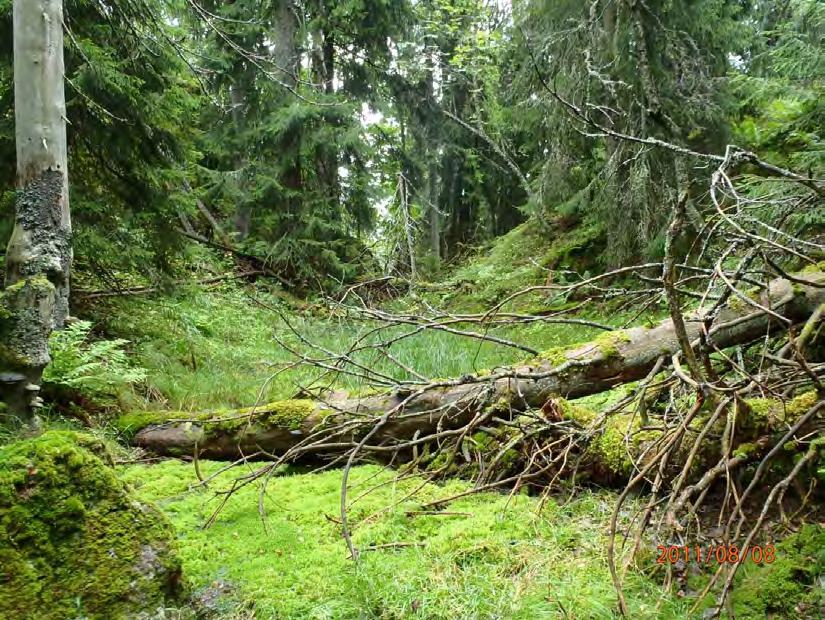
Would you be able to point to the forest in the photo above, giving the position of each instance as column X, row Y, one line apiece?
column 412, row 309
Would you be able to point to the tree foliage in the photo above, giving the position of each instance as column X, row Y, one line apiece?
column 330, row 140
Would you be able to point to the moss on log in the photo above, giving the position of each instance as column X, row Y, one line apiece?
column 580, row 370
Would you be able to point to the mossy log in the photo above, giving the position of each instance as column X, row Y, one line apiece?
column 612, row 359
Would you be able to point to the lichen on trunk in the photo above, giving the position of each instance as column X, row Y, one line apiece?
column 39, row 256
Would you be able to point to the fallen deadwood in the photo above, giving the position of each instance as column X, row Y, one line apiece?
column 414, row 415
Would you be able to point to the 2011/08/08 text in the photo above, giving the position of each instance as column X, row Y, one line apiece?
column 718, row 554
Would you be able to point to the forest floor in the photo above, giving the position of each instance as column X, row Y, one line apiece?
column 491, row 555
column 487, row 556
column 484, row 556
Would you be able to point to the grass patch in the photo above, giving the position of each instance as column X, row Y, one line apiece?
column 498, row 560
column 217, row 349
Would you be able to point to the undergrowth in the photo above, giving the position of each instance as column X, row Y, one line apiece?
column 525, row 256
column 99, row 369
column 212, row 349
column 218, row 347
column 484, row 557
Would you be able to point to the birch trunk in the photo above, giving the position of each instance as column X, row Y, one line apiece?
column 38, row 261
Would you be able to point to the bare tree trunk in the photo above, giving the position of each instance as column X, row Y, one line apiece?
column 409, row 225
column 287, row 57
column 38, row 261
column 610, row 360
column 435, row 223
column 285, row 53
column 243, row 213
column 432, row 154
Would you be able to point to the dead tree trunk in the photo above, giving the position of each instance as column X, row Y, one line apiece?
column 36, row 298
column 401, row 416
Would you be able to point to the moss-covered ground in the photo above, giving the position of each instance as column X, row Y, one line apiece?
column 486, row 556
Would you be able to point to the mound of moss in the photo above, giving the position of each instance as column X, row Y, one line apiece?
column 789, row 587
column 74, row 542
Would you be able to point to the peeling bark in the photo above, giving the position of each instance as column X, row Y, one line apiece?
column 39, row 256
column 596, row 366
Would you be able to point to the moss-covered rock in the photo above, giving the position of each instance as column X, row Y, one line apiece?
column 74, row 543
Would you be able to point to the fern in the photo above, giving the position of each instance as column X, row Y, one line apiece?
column 95, row 368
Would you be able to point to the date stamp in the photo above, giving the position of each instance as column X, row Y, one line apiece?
column 715, row 554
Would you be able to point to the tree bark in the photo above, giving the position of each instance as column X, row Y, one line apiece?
column 432, row 209
column 287, row 57
column 237, row 95
column 39, row 255
column 596, row 366
column 285, row 53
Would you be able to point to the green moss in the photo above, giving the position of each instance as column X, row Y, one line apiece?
column 816, row 268
column 556, row 355
column 444, row 459
column 787, row 587
column 584, row 416
column 760, row 409
column 36, row 282
column 745, row 449
column 130, row 423
column 619, row 441
column 768, row 413
column 482, row 440
column 369, row 391
column 800, row 404
column 735, row 303
column 289, row 414
column 488, row 556
column 73, row 541
column 608, row 342
column 739, row 305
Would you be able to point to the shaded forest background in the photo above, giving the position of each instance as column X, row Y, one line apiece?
column 326, row 141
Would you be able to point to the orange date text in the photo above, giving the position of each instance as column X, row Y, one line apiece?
column 715, row 554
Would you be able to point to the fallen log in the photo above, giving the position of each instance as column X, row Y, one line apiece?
column 409, row 413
